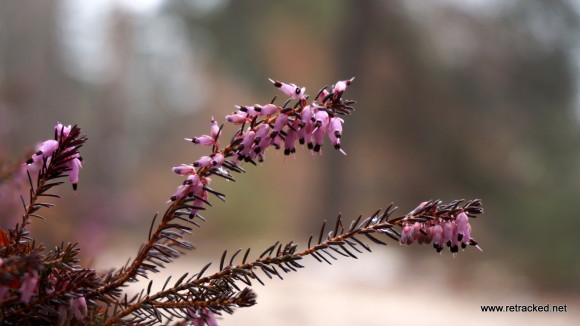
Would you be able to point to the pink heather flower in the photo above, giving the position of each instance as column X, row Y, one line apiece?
column 217, row 160
column 180, row 192
column 261, row 133
column 236, row 118
column 279, row 124
column 415, row 230
column 63, row 315
column 204, row 317
column 307, row 113
column 214, row 129
column 62, row 131
column 192, row 186
column 318, row 139
column 28, row 287
column 276, row 141
column 74, row 166
column 437, row 232
column 450, row 235
column 335, row 132
column 248, row 111
column 261, row 147
column 203, row 161
column 204, row 140
column 245, row 146
column 290, row 140
column 185, row 188
column 340, row 87
column 322, row 95
column 79, row 308
column 184, row 169
column 463, row 228
column 291, row 90
column 268, row 109
column 448, row 232
column 406, row 238
column 335, row 127
column 45, row 150
column 320, row 119
column 425, row 236
column 197, row 187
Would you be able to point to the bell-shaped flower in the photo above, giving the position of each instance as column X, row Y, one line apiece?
column 62, row 130
column 74, row 166
column 462, row 222
column 261, row 132
column 203, row 161
column 28, row 287
column 214, row 129
column 291, row 90
column 44, row 150
column 340, row 87
column 79, row 308
column 184, row 169
column 204, row 140
column 217, row 160
column 268, row 109
column 437, row 232
column 237, row 118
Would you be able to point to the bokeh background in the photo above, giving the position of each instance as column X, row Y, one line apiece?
column 456, row 99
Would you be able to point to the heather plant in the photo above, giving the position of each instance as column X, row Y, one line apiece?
column 40, row 286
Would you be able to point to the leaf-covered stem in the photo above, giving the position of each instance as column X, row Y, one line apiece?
column 64, row 150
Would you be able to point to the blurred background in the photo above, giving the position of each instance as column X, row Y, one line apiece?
column 456, row 99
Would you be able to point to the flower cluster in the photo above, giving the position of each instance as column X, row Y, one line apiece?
column 429, row 223
column 261, row 127
column 46, row 149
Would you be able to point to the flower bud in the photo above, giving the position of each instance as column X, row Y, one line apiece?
column 62, row 131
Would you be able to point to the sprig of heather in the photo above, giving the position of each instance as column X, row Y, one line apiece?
column 36, row 287
column 260, row 127
column 199, row 298
column 53, row 289
column 53, row 159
